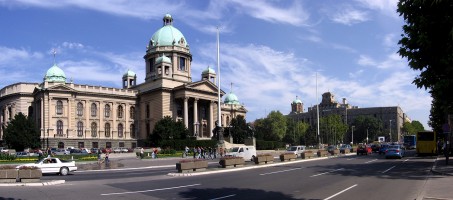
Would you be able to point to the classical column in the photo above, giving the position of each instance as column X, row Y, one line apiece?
column 211, row 119
column 186, row 112
column 195, row 117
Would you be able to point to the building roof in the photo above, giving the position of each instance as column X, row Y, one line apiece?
column 231, row 99
column 129, row 73
column 55, row 74
column 168, row 35
column 297, row 100
column 162, row 59
column 208, row 70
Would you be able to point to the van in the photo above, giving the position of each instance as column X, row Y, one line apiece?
column 246, row 152
column 296, row 150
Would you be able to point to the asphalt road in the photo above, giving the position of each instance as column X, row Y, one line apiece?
column 346, row 177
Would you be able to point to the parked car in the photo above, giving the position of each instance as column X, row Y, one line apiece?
column 53, row 165
column 3, row 150
column 21, row 154
column 344, row 147
column 94, row 150
column 62, row 152
column 117, row 150
column 331, row 148
column 394, row 151
column 383, row 148
column 78, row 152
column 363, row 149
column 124, row 150
column 106, row 150
column 375, row 147
column 296, row 150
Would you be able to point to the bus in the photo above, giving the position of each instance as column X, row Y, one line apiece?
column 410, row 141
column 426, row 143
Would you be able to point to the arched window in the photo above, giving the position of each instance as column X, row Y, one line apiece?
column 94, row 129
column 120, row 111
column 94, row 110
column 147, row 110
column 79, row 128
column 107, row 111
column 107, row 130
column 120, row 130
column 59, row 107
column 132, row 112
column 80, row 109
column 59, row 127
column 132, row 130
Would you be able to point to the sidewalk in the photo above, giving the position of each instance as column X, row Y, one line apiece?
column 439, row 185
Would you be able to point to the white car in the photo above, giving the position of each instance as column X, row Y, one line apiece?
column 53, row 165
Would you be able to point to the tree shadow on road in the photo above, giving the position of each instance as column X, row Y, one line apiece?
column 234, row 193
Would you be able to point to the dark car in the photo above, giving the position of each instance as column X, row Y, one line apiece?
column 363, row 149
column 331, row 148
column 344, row 147
column 383, row 148
column 375, row 147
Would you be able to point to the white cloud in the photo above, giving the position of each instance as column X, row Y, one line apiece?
column 10, row 56
column 293, row 14
column 348, row 15
column 388, row 7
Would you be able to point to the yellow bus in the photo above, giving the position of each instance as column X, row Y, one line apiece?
column 426, row 143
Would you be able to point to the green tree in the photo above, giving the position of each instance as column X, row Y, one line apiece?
column 427, row 43
column 295, row 132
column 166, row 129
column 366, row 124
column 21, row 133
column 271, row 128
column 411, row 128
column 238, row 129
column 332, row 129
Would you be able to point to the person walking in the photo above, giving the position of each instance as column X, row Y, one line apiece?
column 99, row 156
column 142, row 153
column 107, row 158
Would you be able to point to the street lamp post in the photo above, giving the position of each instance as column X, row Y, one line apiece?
column 196, row 128
column 367, row 135
column 352, row 138
column 390, row 130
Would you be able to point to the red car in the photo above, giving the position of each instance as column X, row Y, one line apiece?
column 363, row 149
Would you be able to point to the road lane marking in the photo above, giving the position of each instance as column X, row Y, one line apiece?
column 350, row 158
column 143, row 191
column 134, row 173
column 326, row 172
column 281, row 171
column 224, row 197
column 388, row 169
column 406, row 160
column 340, row 192
column 370, row 161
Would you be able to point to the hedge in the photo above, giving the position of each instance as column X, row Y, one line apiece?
column 269, row 145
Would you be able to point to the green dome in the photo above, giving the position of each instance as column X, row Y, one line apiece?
column 168, row 35
column 208, row 70
column 297, row 100
column 55, row 74
column 129, row 73
column 231, row 99
column 164, row 59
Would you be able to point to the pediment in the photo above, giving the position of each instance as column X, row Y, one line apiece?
column 61, row 87
column 202, row 86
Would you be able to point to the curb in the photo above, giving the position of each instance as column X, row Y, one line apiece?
column 434, row 171
column 251, row 167
column 42, row 183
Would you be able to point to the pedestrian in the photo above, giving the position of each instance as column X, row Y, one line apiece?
column 142, row 153
column 221, row 152
column 155, row 152
column 107, row 157
column 194, row 152
column 49, row 152
column 99, row 156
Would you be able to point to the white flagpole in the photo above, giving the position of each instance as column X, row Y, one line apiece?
column 218, row 77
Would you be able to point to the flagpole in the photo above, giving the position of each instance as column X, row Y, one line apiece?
column 218, row 75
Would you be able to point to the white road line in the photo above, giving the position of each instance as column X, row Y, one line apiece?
column 340, row 192
column 326, row 172
column 350, row 159
column 224, row 197
column 406, row 160
column 281, row 171
column 143, row 191
column 370, row 161
column 388, row 169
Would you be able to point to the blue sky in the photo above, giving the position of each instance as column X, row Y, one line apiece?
column 270, row 50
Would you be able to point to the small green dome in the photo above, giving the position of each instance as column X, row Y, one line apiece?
column 55, row 74
column 129, row 73
column 231, row 99
column 208, row 70
column 164, row 59
column 297, row 100
column 168, row 35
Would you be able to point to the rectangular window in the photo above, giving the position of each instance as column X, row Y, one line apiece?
column 182, row 64
column 121, row 144
column 151, row 65
column 95, row 145
column 81, row 145
column 108, row 145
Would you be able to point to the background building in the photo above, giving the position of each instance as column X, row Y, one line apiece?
column 392, row 117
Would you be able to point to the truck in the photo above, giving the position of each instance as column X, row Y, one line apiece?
column 246, row 152
column 296, row 150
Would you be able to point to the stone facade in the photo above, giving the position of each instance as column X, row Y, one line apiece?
column 392, row 117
